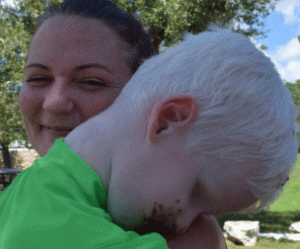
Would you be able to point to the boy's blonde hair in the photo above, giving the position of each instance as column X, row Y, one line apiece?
column 246, row 116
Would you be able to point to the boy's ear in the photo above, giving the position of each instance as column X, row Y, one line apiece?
column 171, row 114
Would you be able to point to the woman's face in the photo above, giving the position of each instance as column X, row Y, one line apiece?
column 75, row 70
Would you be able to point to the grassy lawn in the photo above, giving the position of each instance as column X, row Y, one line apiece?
column 267, row 243
column 289, row 201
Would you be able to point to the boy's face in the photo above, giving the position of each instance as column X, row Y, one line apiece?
column 160, row 181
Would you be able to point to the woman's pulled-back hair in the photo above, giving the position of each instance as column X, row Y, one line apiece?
column 246, row 116
column 136, row 43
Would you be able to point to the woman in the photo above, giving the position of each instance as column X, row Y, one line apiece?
column 77, row 66
column 81, row 56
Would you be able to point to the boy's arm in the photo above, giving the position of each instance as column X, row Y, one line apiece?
column 204, row 233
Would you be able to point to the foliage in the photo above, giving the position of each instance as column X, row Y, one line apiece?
column 294, row 89
column 263, row 47
column 31, row 9
column 14, row 42
column 167, row 20
column 16, row 29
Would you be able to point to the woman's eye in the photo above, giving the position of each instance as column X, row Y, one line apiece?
column 38, row 79
column 93, row 82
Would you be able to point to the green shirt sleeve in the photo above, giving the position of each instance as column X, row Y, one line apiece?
column 59, row 202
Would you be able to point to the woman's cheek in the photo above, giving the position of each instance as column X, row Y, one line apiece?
column 29, row 101
column 23, row 101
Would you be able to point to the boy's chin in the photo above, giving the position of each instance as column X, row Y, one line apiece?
column 163, row 221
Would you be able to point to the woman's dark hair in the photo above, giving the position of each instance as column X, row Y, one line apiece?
column 137, row 45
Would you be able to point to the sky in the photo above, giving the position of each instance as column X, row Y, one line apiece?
column 283, row 47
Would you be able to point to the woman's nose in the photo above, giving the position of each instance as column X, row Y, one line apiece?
column 58, row 99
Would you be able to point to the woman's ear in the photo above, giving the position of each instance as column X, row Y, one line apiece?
column 170, row 114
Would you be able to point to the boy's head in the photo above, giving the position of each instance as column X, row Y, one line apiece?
column 205, row 127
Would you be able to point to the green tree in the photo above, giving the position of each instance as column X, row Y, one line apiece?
column 294, row 89
column 16, row 29
column 263, row 47
column 13, row 42
column 167, row 20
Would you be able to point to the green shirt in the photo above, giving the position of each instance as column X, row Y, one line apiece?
column 59, row 202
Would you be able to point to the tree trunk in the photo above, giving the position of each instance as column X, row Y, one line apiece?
column 158, row 35
column 6, row 156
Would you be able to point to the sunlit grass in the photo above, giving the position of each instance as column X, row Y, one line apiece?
column 290, row 198
column 268, row 243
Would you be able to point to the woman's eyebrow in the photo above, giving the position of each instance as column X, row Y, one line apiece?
column 78, row 68
column 85, row 66
column 37, row 65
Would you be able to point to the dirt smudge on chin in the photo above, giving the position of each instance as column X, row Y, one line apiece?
column 162, row 221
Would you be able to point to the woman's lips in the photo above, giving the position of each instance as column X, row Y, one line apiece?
column 57, row 132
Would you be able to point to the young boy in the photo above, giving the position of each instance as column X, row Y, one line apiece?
column 207, row 127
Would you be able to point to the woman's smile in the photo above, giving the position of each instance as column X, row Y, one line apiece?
column 57, row 131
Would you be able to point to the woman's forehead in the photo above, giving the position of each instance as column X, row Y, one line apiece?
column 68, row 42
column 75, row 24
column 69, row 32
